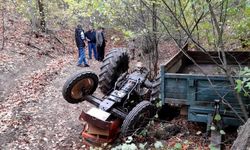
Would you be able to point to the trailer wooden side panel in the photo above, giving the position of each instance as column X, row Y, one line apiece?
column 195, row 90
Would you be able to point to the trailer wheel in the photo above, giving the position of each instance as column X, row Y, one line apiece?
column 156, row 88
column 138, row 118
column 115, row 63
column 78, row 86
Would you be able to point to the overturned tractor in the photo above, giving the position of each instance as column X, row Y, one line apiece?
column 128, row 104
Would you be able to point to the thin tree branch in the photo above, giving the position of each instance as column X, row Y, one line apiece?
column 219, row 30
column 190, row 36
column 190, row 58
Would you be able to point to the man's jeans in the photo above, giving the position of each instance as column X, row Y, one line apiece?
column 81, row 56
column 92, row 46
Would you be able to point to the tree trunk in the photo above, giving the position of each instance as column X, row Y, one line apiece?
column 155, row 41
column 243, row 140
column 32, row 14
column 42, row 15
column 3, row 26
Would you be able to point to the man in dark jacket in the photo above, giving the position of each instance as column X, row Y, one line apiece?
column 100, row 43
column 91, row 38
column 79, row 38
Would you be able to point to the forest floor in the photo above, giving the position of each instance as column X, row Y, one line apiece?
column 34, row 115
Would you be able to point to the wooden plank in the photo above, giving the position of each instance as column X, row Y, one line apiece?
column 175, row 88
column 174, row 63
column 173, row 101
column 191, row 91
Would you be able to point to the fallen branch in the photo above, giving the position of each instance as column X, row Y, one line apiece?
column 58, row 40
column 29, row 44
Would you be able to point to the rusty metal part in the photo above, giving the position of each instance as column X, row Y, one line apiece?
column 92, row 120
column 81, row 87
column 93, row 135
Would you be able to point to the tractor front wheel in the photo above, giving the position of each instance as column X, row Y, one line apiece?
column 78, row 86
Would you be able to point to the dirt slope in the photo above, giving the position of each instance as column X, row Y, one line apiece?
column 34, row 114
column 33, row 69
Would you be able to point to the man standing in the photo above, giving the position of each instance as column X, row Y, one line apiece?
column 79, row 38
column 91, row 38
column 100, row 42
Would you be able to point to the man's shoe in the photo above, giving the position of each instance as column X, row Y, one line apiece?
column 86, row 65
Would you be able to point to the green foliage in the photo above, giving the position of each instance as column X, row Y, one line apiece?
column 212, row 128
column 178, row 146
column 142, row 146
column 125, row 146
column 217, row 117
column 159, row 104
column 134, row 18
column 212, row 147
column 144, row 132
column 243, row 83
column 222, row 132
column 158, row 145
column 129, row 139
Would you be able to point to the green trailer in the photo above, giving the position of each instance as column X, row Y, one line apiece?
column 184, row 86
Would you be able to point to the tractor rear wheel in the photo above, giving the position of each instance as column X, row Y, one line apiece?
column 78, row 86
column 114, row 64
column 156, row 88
column 138, row 118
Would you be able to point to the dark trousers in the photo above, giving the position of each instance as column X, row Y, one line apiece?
column 101, row 52
column 92, row 46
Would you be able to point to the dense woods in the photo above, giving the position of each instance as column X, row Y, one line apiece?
column 43, row 30
column 210, row 25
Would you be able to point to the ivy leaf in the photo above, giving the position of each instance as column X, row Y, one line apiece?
column 198, row 133
column 217, row 117
column 142, row 146
column 186, row 142
column 129, row 146
column 212, row 128
column 144, row 132
column 222, row 132
column 129, row 139
column 245, row 94
column 212, row 147
column 178, row 146
column 238, row 85
column 156, row 116
column 247, row 85
column 159, row 104
column 158, row 145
